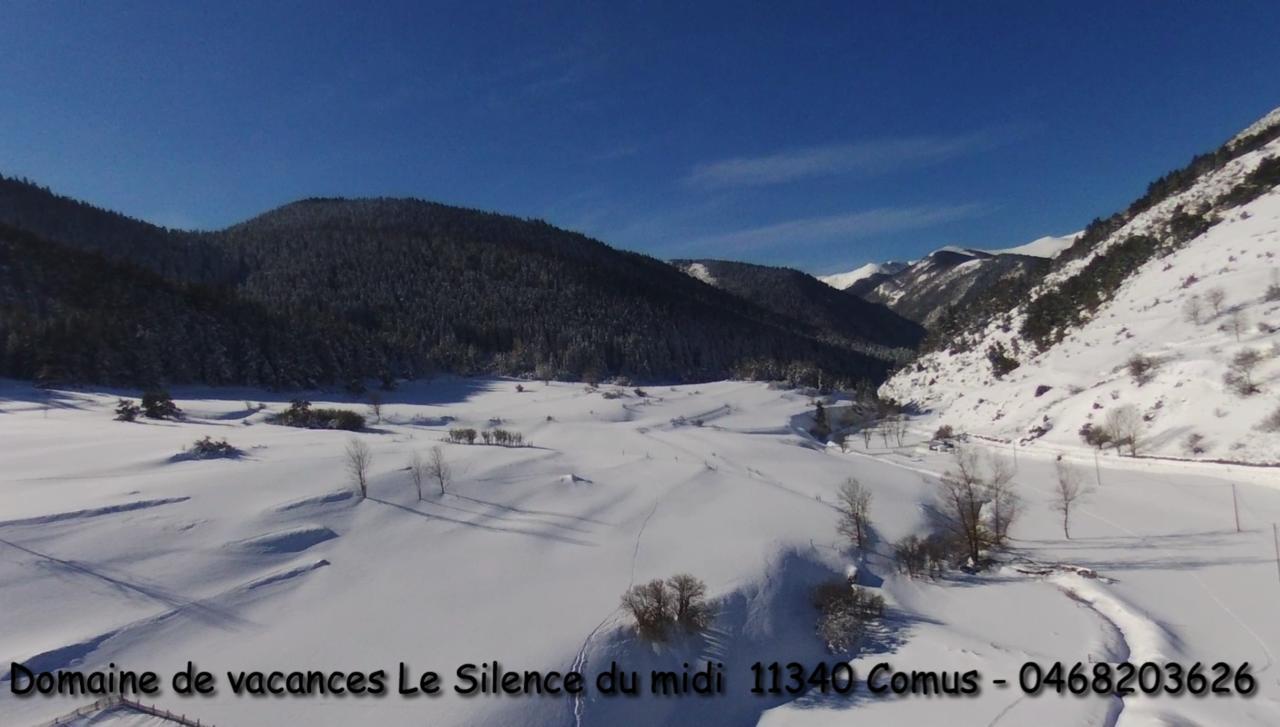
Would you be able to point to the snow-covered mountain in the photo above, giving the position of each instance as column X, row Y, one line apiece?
column 1170, row 309
column 843, row 281
column 798, row 297
column 951, row 276
column 1047, row 247
column 923, row 289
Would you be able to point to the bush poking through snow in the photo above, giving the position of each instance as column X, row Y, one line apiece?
column 159, row 405
column 209, row 448
column 658, row 606
column 1195, row 443
column 499, row 437
column 1124, row 428
column 844, row 611
column 821, row 429
column 462, row 436
column 127, row 411
column 1142, row 368
column 1271, row 422
column 1272, row 293
column 1239, row 376
column 1095, row 436
column 300, row 414
column 1001, row 362
column 944, row 432
column 916, row 556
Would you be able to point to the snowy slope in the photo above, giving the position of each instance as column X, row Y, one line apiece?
column 840, row 281
column 1044, row 247
column 947, row 277
column 1086, row 373
column 1048, row 246
column 112, row 550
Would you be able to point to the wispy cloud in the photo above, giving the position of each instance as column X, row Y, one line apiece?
column 851, row 226
column 865, row 157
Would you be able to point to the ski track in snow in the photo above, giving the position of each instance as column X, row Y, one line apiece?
column 580, row 662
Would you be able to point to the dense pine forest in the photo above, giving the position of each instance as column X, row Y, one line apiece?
column 334, row 291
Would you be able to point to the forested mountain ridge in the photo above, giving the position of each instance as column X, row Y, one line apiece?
column 334, row 290
column 800, row 296
column 946, row 279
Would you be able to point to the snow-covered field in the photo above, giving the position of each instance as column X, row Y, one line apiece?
column 112, row 550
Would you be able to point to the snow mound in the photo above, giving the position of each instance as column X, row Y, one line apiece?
column 294, row 540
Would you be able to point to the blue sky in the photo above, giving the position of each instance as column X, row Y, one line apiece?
column 819, row 136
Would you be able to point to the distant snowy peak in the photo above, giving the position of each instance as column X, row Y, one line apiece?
column 841, row 281
column 1046, row 247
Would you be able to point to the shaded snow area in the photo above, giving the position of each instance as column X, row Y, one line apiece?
column 1188, row 406
column 113, row 552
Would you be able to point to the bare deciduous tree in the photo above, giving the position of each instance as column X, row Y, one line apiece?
column 439, row 469
column 1239, row 374
column 688, row 599
column 1193, row 310
column 650, row 605
column 1005, row 503
column 1216, row 297
column 978, row 499
column 1070, row 490
column 898, row 425
column 961, row 496
column 359, row 459
column 1238, row 323
column 1124, row 424
column 854, row 504
column 375, row 407
column 418, row 472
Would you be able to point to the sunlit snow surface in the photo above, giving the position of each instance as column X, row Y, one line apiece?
column 110, row 551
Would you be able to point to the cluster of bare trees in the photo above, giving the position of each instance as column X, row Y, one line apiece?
column 1122, row 429
column 435, row 468
column 660, row 606
column 844, row 611
column 499, row 437
column 978, row 502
